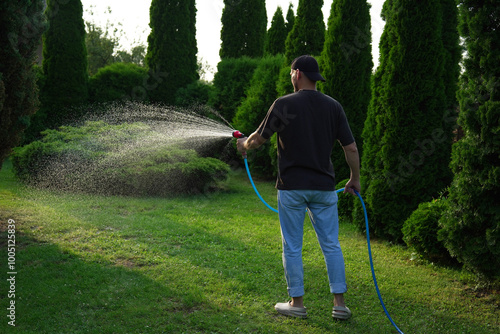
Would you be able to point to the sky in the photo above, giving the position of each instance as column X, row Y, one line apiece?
column 132, row 17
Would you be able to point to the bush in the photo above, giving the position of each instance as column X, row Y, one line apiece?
column 230, row 82
column 260, row 96
column 284, row 85
column 118, row 81
column 162, row 172
column 196, row 93
column 420, row 232
column 114, row 160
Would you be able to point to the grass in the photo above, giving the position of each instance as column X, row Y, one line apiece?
column 205, row 264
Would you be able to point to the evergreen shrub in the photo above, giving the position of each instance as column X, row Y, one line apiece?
column 260, row 95
column 172, row 49
column 346, row 63
column 64, row 60
column 407, row 137
column 114, row 160
column 243, row 32
column 276, row 35
column 420, row 232
column 231, row 81
column 118, row 81
column 21, row 26
column 284, row 84
column 471, row 224
column 308, row 32
column 196, row 93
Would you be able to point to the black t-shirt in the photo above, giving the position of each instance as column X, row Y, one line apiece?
column 307, row 123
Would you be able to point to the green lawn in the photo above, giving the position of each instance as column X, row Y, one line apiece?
column 205, row 264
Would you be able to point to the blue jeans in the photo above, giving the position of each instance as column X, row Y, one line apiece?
column 322, row 208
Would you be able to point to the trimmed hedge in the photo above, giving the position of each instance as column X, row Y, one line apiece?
column 114, row 160
column 118, row 81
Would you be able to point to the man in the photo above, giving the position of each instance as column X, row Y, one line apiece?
column 307, row 124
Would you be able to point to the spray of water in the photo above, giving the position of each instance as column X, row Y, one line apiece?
column 133, row 139
column 174, row 123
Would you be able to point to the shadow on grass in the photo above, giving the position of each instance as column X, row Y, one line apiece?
column 59, row 292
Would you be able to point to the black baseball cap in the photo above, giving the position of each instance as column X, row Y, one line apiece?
column 309, row 66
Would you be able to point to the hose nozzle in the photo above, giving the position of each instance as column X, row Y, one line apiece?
column 237, row 134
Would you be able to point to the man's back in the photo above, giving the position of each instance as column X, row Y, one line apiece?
column 308, row 123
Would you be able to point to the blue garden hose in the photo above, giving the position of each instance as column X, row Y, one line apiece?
column 367, row 238
column 254, row 187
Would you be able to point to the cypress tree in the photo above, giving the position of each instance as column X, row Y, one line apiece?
column 276, row 35
column 371, row 164
column 346, row 63
column 64, row 62
column 471, row 224
column 452, row 56
column 308, row 33
column 22, row 25
column 290, row 19
column 306, row 37
column 244, row 27
column 171, row 56
column 410, row 143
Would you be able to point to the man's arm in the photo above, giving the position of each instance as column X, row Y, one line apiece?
column 352, row 159
column 255, row 140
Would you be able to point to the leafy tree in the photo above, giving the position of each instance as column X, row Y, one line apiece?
column 244, row 26
column 103, row 45
column 308, row 33
column 471, row 224
column 276, row 35
column 64, row 63
column 22, row 25
column 100, row 48
column 204, row 70
column 411, row 143
column 172, row 47
column 135, row 56
column 346, row 63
